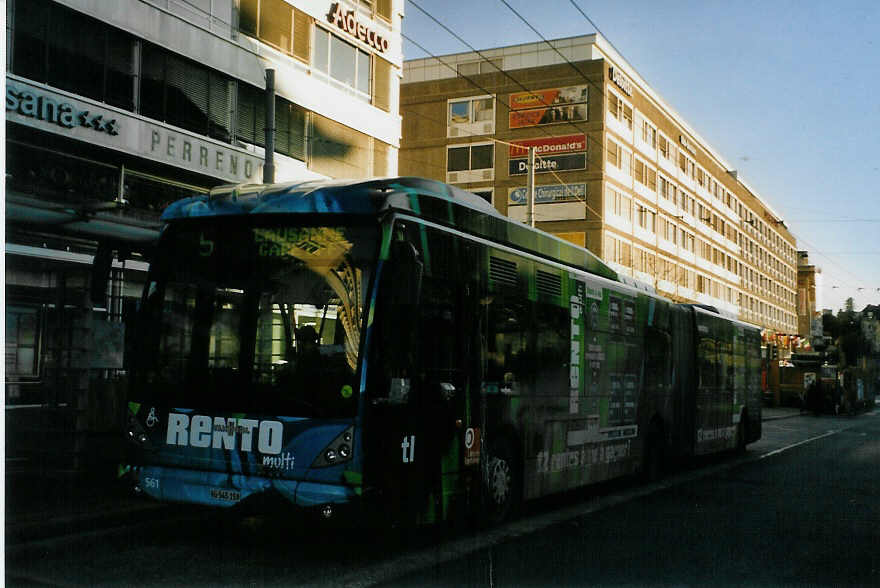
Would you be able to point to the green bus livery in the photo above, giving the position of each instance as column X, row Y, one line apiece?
column 397, row 345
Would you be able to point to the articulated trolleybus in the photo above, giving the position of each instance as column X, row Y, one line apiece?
column 399, row 346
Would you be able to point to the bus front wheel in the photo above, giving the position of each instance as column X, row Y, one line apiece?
column 740, row 448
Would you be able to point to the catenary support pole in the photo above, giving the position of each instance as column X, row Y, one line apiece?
column 269, row 161
column 530, row 189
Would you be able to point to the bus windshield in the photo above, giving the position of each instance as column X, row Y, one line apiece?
column 256, row 318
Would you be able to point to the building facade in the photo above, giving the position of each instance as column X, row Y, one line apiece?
column 806, row 297
column 618, row 170
column 114, row 110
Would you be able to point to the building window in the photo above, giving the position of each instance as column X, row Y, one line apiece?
column 70, row 51
column 484, row 194
column 645, row 175
column 666, row 189
column 470, row 163
column 646, row 218
column 619, row 157
column 484, row 66
column 342, row 62
column 55, row 175
column 290, row 122
column 146, row 192
column 382, row 84
column 376, row 8
column 626, row 162
column 687, row 241
column 649, row 134
column 619, row 204
column 185, row 94
column 670, row 232
column 688, row 204
column 471, row 157
column 703, row 179
column 620, row 110
column 686, row 165
column 471, row 110
column 612, row 153
column 22, row 341
column 277, row 23
column 471, row 116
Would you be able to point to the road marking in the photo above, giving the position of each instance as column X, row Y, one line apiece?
column 448, row 551
column 793, row 445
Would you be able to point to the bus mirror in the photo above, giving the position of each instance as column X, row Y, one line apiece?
column 447, row 391
column 406, row 274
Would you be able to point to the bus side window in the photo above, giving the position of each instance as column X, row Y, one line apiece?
column 508, row 354
column 396, row 328
column 438, row 325
column 708, row 362
column 657, row 358
column 552, row 349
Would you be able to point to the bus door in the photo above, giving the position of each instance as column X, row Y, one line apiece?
column 418, row 382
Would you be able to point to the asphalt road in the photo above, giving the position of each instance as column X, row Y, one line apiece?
column 801, row 508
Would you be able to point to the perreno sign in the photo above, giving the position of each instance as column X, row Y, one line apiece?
column 549, row 145
column 347, row 21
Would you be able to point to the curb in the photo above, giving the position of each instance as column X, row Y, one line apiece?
column 782, row 416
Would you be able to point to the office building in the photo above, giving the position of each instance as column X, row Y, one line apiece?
column 619, row 171
column 116, row 108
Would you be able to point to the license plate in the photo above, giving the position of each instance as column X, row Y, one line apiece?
column 225, row 495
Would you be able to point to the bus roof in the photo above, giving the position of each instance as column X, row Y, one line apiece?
column 427, row 199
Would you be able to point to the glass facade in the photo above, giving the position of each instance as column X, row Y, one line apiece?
column 70, row 51
column 342, row 61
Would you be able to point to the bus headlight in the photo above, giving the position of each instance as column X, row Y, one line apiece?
column 135, row 431
column 338, row 451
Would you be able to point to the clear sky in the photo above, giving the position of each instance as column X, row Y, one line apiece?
column 787, row 92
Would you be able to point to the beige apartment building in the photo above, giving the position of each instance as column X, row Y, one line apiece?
column 619, row 171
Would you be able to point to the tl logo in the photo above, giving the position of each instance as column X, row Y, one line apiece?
column 409, row 449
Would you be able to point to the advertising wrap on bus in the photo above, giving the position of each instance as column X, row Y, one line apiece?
column 397, row 348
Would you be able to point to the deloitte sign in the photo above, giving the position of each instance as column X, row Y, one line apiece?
column 548, row 163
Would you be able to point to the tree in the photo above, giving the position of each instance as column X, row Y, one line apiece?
column 850, row 340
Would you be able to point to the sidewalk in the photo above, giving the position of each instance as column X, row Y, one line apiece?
column 46, row 497
column 43, row 503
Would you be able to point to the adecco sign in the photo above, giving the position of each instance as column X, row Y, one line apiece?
column 348, row 22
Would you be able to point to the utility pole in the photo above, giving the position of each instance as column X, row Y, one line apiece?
column 530, row 189
column 269, row 160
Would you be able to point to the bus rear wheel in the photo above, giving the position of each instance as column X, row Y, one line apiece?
column 501, row 484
